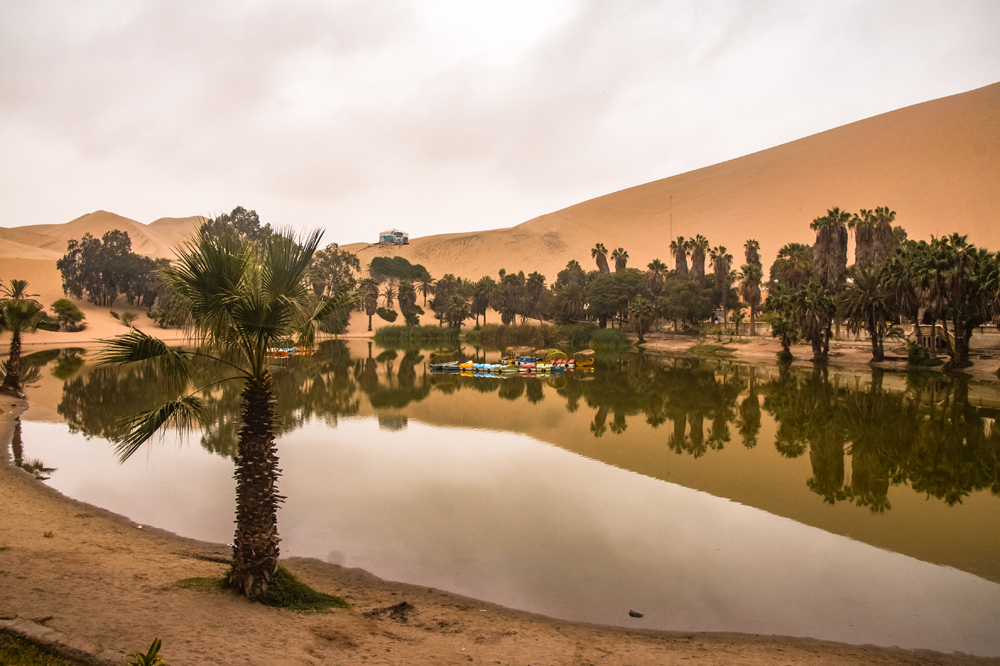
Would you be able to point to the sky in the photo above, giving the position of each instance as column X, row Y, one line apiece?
column 438, row 116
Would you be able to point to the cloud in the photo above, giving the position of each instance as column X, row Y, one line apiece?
column 437, row 118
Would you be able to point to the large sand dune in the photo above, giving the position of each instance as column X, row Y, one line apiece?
column 936, row 164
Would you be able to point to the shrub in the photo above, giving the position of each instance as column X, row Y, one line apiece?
column 387, row 315
column 126, row 317
column 68, row 315
column 920, row 356
column 418, row 334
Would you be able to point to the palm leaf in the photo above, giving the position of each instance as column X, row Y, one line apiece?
column 182, row 413
column 138, row 346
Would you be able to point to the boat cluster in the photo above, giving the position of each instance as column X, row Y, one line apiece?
column 522, row 365
column 285, row 352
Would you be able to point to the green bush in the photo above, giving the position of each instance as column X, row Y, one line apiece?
column 608, row 338
column 418, row 334
column 387, row 315
column 68, row 315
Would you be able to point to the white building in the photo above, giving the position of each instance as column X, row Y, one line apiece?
column 394, row 237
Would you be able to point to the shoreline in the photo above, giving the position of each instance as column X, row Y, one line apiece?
column 111, row 588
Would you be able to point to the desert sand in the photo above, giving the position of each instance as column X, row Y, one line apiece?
column 110, row 586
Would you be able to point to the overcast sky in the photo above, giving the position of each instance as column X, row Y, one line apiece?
column 437, row 116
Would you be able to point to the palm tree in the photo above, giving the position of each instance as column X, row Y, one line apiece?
column 19, row 313
column 722, row 262
column 369, row 298
column 752, row 251
column 482, row 295
column 425, row 284
column 642, row 313
column 750, row 278
column 389, row 294
column 656, row 276
column 600, row 254
column 407, row 297
column 698, row 245
column 457, row 310
column 783, row 327
column 679, row 248
column 865, row 304
column 793, row 266
column 813, row 308
column 830, row 252
column 245, row 298
column 882, row 237
column 863, row 226
column 621, row 259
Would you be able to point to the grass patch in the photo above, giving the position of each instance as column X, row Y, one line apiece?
column 287, row 591
column 16, row 651
column 408, row 335
column 705, row 349
column 208, row 584
column 572, row 337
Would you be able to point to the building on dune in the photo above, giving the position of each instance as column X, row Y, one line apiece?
column 393, row 237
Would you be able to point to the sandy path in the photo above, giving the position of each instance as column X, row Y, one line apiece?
column 109, row 583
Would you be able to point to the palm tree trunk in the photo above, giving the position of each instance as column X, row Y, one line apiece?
column 12, row 382
column 753, row 321
column 255, row 547
column 877, row 354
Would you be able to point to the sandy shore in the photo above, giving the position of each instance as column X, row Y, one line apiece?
column 110, row 586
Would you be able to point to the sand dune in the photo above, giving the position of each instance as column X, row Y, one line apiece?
column 937, row 164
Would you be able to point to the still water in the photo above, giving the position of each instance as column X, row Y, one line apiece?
column 708, row 495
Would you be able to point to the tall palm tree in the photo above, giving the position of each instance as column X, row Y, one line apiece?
column 699, row 245
column 245, row 297
column 882, row 236
column 751, row 250
column 19, row 313
column 679, row 248
column 621, row 259
column 481, row 296
column 425, row 284
column 750, row 278
column 369, row 298
column 864, row 303
column 722, row 263
column 813, row 309
column 863, row 226
column 656, row 276
column 600, row 254
column 830, row 252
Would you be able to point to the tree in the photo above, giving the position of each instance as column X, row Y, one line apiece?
column 389, row 294
column 68, row 315
column 334, row 271
column 246, row 297
column 752, row 251
column 750, row 278
column 534, row 291
column 600, row 254
column 19, row 313
column 106, row 268
column 457, row 310
column 830, row 251
column 425, row 283
column 783, row 327
column 793, row 266
column 369, row 298
column 407, row 297
column 722, row 262
column 239, row 222
column 813, row 307
column 642, row 315
column 656, row 276
column 679, row 248
column 863, row 226
column 482, row 294
column 864, row 303
column 699, row 245
column 621, row 259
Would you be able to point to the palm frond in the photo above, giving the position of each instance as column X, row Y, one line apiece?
column 287, row 263
column 136, row 346
column 181, row 413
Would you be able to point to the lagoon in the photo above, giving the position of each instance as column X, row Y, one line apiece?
column 652, row 484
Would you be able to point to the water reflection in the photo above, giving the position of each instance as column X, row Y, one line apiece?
column 823, row 448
